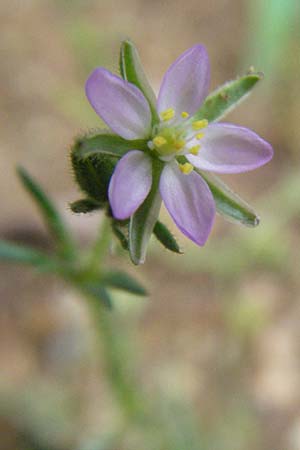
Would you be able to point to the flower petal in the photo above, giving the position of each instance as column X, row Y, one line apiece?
column 227, row 148
column 189, row 202
column 130, row 184
column 186, row 82
column 120, row 104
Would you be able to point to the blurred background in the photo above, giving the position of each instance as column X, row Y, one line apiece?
column 217, row 343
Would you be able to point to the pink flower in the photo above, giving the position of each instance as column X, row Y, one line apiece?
column 180, row 141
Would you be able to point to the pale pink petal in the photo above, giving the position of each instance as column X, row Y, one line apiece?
column 120, row 104
column 227, row 148
column 189, row 202
column 186, row 82
column 130, row 184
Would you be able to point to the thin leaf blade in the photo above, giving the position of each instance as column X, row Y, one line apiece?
column 51, row 216
column 123, row 281
column 97, row 291
column 19, row 254
column 221, row 101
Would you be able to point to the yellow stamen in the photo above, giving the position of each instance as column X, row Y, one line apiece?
column 158, row 141
column 179, row 144
column 186, row 168
column 167, row 114
column 185, row 115
column 194, row 150
column 199, row 135
column 199, row 124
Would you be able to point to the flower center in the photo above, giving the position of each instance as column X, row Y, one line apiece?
column 173, row 137
column 168, row 141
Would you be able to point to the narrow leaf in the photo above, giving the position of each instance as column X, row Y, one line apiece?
column 120, row 280
column 165, row 237
column 51, row 216
column 85, row 205
column 143, row 220
column 229, row 204
column 221, row 101
column 96, row 290
column 132, row 70
column 19, row 254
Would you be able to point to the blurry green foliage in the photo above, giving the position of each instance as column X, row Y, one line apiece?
column 272, row 24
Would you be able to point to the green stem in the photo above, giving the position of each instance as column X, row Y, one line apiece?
column 100, row 247
column 119, row 371
column 136, row 410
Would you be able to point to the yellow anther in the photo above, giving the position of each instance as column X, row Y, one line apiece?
column 185, row 115
column 179, row 144
column 194, row 150
column 167, row 114
column 186, row 168
column 199, row 124
column 159, row 141
column 199, row 135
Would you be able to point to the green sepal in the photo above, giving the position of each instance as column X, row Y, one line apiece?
column 221, row 101
column 86, row 205
column 132, row 70
column 103, row 141
column 15, row 253
column 121, row 280
column 92, row 174
column 52, row 218
column 228, row 203
column 94, row 157
column 143, row 220
column 165, row 237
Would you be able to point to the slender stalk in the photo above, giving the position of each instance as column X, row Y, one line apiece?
column 118, row 369
column 100, row 247
column 136, row 410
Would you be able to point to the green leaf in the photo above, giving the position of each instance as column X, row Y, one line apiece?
column 143, row 220
column 85, row 205
column 273, row 29
column 120, row 280
column 132, row 70
column 221, row 101
column 20, row 254
column 52, row 218
column 165, row 237
column 96, row 290
column 229, row 204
